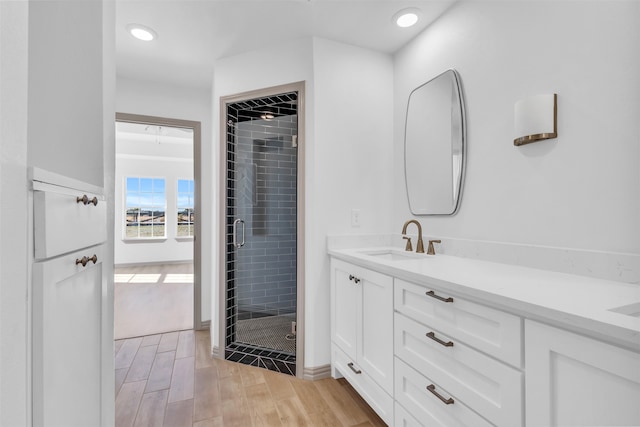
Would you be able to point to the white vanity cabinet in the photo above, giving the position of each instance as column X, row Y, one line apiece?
column 573, row 380
column 362, row 333
column 444, row 365
column 484, row 344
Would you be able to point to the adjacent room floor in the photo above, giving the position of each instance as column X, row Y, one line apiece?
column 152, row 299
column 171, row 380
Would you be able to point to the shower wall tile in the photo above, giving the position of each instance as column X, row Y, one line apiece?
column 266, row 185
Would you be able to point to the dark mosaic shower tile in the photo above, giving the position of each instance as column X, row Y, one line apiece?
column 247, row 359
column 235, row 357
column 292, row 368
column 283, row 367
column 270, row 365
column 261, row 363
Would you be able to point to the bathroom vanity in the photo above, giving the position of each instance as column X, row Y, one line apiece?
column 448, row 341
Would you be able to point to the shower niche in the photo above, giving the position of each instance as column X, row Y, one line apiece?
column 261, row 231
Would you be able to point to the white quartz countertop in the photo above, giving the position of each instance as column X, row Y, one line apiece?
column 604, row 309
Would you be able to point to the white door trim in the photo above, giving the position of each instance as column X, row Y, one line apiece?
column 198, row 324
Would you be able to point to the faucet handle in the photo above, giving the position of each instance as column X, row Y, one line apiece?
column 409, row 247
column 431, row 250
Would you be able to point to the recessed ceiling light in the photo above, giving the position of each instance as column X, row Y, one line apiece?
column 406, row 17
column 141, row 32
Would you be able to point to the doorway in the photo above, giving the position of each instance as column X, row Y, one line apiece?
column 262, row 295
column 157, row 224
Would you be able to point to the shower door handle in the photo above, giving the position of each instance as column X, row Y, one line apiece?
column 235, row 233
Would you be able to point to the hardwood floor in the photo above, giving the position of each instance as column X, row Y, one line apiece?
column 171, row 380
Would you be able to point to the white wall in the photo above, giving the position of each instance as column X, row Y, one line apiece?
column 348, row 146
column 581, row 190
column 351, row 167
column 145, row 251
column 14, row 235
column 161, row 100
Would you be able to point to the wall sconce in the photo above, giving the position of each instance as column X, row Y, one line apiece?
column 536, row 119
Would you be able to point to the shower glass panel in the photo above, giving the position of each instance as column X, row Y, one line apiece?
column 261, row 232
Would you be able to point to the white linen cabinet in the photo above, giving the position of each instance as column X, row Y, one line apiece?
column 69, row 220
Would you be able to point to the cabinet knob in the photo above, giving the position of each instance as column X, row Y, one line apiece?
column 85, row 260
column 85, row 200
column 354, row 278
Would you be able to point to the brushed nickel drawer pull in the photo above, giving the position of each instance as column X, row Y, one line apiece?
column 85, row 260
column 438, row 297
column 432, row 335
column 354, row 278
column 432, row 389
column 85, row 200
column 357, row 371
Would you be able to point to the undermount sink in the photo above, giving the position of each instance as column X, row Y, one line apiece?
column 632, row 310
column 393, row 254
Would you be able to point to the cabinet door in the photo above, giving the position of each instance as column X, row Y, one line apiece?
column 344, row 304
column 572, row 380
column 67, row 325
column 379, row 399
column 375, row 340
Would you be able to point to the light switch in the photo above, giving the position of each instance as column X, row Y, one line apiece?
column 355, row 217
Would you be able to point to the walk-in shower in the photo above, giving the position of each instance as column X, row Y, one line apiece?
column 261, row 231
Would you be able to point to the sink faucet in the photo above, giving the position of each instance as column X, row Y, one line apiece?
column 420, row 245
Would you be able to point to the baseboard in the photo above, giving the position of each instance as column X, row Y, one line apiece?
column 316, row 373
column 205, row 325
column 215, row 353
column 140, row 264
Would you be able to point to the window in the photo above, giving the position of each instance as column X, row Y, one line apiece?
column 145, row 204
column 185, row 208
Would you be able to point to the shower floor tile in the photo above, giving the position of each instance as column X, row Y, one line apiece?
column 273, row 332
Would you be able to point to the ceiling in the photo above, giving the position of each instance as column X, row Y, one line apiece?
column 193, row 34
column 137, row 140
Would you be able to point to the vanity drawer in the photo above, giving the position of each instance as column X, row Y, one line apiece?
column 370, row 391
column 403, row 418
column 492, row 331
column 490, row 387
column 412, row 393
column 62, row 224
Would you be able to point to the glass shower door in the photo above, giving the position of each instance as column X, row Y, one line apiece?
column 261, row 232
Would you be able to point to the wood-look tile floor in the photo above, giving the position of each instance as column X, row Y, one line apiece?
column 171, row 380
